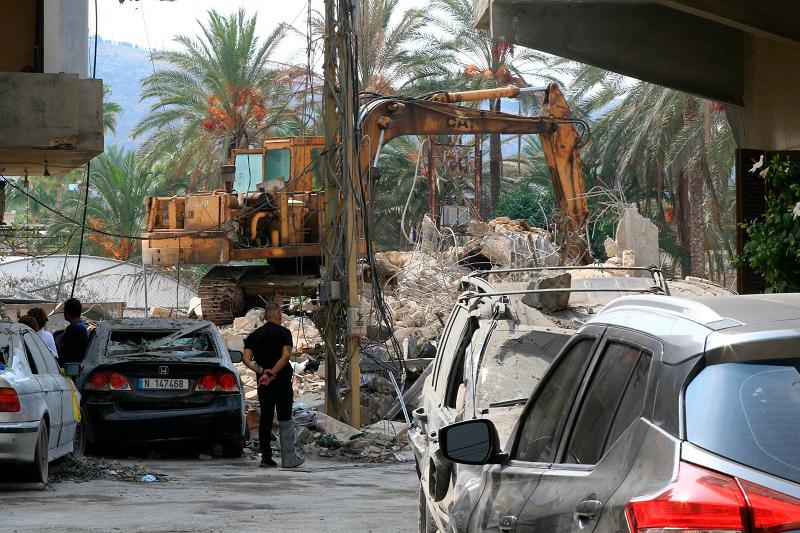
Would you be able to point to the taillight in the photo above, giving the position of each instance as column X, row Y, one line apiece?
column 224, row 382
column 701, row 500
column 227, row 382
column 770, row 511
column 106, row 380
column 698, row 500
column 9, row 401
column 207, row 383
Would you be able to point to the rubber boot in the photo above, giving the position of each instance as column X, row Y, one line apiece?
column 289, row 459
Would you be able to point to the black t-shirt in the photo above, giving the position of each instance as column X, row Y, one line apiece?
column 267, row 343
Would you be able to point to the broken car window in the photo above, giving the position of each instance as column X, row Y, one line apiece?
column 514, row 360
column 193, row 344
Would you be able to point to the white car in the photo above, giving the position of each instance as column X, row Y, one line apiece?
column 37, row 408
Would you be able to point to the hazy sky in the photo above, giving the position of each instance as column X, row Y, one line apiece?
column 162, row 20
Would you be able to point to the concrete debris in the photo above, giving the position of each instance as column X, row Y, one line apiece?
column 550, row 301
column 91, row 468
column 339, row 430
column 638, row 237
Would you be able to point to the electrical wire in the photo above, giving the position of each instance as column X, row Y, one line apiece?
column 88, row 167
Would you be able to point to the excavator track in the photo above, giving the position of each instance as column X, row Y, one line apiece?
column 227, row 292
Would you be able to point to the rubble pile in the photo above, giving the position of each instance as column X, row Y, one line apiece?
column 91, row 468
column 383, row 441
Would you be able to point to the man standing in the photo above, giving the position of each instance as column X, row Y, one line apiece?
column 72, row 344
column 266, row 352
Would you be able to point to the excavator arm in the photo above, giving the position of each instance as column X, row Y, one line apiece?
column 386, row 118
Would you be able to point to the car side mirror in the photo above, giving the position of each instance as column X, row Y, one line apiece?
column 236, row 356
column 72, row 369
column 472, row 442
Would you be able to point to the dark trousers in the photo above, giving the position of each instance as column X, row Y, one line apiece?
column 275, row 396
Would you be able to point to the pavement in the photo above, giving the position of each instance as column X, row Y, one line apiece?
column 223, row 495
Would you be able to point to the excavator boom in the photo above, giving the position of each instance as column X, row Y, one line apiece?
column 386, row 118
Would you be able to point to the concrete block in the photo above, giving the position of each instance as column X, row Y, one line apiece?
column 550, row 301
column 638, row 233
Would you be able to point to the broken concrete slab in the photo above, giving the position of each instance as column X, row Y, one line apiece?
column 339, row 430
column 550, row 301
column 637, row 233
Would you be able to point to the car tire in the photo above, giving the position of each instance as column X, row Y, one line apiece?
column 38, row 471
column 233, row 448
column 424, row 520
column 78, row 444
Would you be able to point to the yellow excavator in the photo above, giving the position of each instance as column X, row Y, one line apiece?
column 271, row 204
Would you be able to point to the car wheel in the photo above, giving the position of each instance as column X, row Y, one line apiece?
column 38, row 471
column 424, row 520
column 233, row 448
column 78, row 444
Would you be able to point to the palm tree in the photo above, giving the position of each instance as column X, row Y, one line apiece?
column 120, row 183
column 385, row 56
column 217, row 94
column 671, row 153
column 110, row 111
column 478, row 61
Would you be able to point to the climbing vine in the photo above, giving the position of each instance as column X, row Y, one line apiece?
column 774, row 238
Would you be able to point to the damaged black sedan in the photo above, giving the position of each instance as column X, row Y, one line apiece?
column 161, row 380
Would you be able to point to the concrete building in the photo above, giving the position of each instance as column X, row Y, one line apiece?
column 51, row 115
column 741, row 52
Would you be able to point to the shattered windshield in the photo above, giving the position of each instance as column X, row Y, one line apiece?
column 514, row 360
column 198, row 343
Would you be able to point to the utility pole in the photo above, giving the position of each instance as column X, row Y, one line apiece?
column 342, row 192
column 332, row 255
column 478, row 173
column 431, row 179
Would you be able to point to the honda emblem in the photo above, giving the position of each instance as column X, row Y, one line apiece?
column 163, row 370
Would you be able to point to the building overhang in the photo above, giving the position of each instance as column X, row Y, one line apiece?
column 52, row 120
column 697, row 46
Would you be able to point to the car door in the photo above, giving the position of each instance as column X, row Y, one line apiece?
column 65, row 388
column 50, row 385
column 596, row 450
column 508, row 486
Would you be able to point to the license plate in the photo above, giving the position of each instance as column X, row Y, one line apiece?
column 163, row 384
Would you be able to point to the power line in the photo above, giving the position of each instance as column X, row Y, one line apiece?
column 88, row 166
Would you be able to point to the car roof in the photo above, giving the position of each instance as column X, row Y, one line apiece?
column 727, row 328
column 15, row 327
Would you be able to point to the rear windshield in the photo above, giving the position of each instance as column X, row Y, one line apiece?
column 750, row 413
column 131, row 343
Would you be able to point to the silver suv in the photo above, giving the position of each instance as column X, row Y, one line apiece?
column 661, row 414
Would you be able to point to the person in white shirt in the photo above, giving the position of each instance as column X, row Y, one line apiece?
column 41, row 318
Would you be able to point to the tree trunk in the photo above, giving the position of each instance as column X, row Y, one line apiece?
column 697, row 228
column 681, row 215
column 495, row 163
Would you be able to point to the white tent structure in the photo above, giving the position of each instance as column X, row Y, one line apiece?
column 99, row 279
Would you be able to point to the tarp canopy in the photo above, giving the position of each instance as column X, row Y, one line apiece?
column 99, row 279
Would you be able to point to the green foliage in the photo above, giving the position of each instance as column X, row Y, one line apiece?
column 217, row 93
column 774, row 245
column 532, row 203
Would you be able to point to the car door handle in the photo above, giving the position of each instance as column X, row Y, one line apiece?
column 507, row 523
column 586, row 510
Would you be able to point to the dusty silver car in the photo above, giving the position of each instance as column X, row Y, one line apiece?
column 37, row 407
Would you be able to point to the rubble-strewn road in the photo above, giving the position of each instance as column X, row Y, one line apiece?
column 225, row 495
